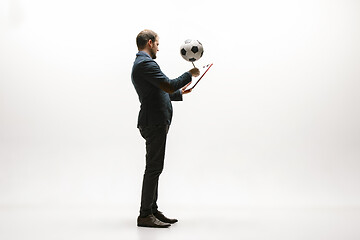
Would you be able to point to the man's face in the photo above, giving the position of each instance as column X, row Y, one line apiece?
column 154, row 48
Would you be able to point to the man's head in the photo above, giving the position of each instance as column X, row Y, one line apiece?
column 148, row 41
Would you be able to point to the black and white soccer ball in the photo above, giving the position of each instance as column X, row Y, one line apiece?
column 191, row 50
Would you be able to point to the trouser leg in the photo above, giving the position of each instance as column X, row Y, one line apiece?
column 155, row 152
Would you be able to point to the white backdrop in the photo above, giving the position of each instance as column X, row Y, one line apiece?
column 275, row 121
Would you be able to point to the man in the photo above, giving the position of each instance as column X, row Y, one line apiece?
column 156, row 91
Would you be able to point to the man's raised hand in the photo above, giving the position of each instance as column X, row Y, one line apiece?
column 195, row 72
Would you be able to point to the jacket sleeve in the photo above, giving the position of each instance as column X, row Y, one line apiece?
column 176, row 96
column 155, row 76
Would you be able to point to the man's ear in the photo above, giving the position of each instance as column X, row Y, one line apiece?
column 150, row 43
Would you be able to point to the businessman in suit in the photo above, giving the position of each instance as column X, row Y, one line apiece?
column 155, row 91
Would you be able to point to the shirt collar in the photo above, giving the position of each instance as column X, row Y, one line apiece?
column 142, row 53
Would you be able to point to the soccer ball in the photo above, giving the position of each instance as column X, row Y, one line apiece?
column 191, row 50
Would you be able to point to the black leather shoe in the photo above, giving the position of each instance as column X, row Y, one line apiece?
column 151, row 221
column 159, row 215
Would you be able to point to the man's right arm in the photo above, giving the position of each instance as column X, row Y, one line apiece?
column 156, row 77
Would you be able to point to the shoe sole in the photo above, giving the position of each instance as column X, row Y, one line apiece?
column 165, row 226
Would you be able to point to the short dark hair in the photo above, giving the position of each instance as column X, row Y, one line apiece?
column 144, row 36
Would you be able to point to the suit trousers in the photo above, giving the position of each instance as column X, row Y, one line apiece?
column 155, row 137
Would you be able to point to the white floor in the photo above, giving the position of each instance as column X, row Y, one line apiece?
column 50, row 223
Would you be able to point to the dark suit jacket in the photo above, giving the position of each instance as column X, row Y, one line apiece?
column 155, row 90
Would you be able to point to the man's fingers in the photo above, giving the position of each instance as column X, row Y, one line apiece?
column 187, row 91
column 195, row 72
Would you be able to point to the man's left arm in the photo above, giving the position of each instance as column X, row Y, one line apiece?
column 177, row 95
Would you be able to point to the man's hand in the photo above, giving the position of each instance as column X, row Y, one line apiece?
column 195, row 72
column 184, row 91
